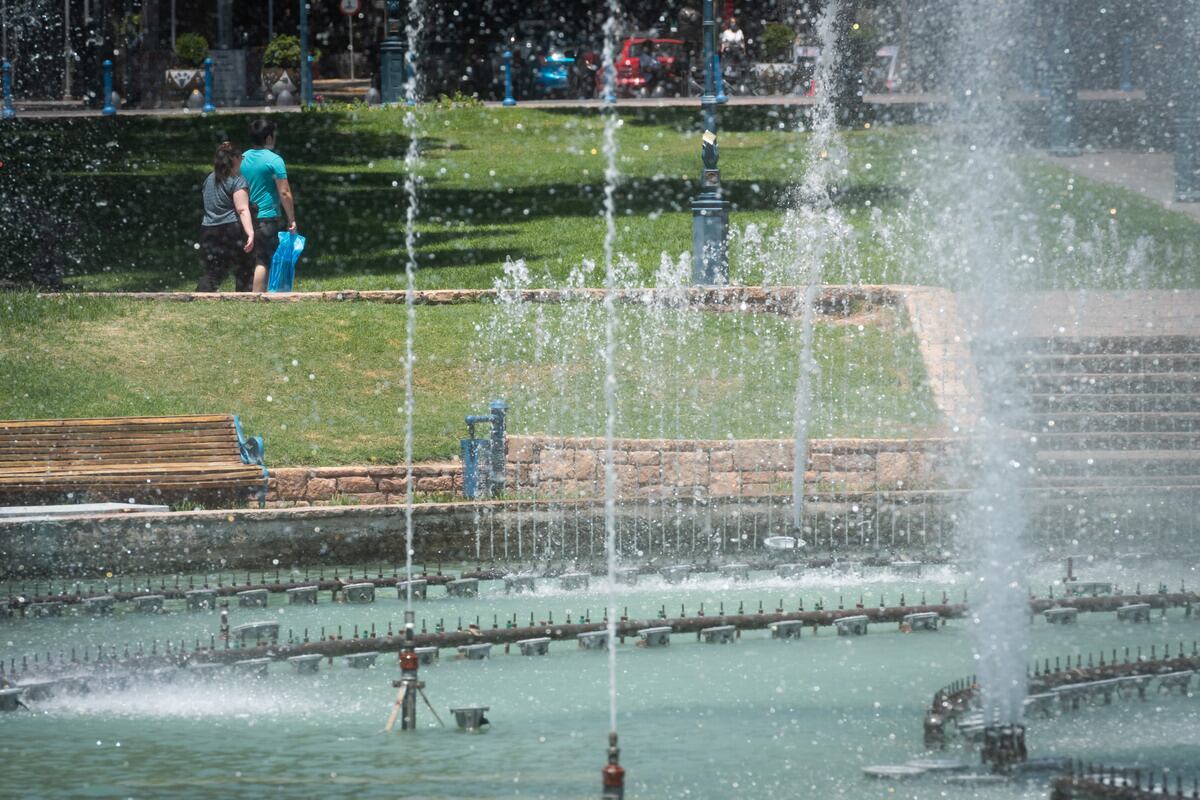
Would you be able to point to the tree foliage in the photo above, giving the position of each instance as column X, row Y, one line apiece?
column 191, row 49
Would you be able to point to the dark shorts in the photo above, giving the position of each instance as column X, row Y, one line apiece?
column 266, row 239
column 221, row 249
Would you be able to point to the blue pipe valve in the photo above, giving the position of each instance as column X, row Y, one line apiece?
column 484, row 460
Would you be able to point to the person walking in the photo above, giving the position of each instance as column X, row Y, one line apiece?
column 270, row 193
column 733, row 41
column 227, row 231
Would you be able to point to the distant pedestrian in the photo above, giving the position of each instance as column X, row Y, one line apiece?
column 227, row 231
column 271, row 195
column 733, row 41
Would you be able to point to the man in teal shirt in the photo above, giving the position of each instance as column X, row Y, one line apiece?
column 266, row 175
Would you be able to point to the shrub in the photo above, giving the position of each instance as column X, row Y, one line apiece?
column 191, row 49
column 777, row 41
column 283, row 51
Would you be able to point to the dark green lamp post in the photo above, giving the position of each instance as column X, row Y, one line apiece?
column 1064, row 105
column 710, row 212
column 1187, row 105
column 392, row 71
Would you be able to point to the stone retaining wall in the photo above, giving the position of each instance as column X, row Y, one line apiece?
column 732, row 468
column 360, row 485
column 832, row 300
column 573, row 467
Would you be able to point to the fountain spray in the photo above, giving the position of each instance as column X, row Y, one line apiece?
column 985, row 236
column 814, row 211
column 409, row 684
column 613, row 775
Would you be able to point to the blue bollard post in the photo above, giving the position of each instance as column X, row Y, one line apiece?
column 721, row 97
column 610, row 85
column 509, row 100
column 1126, row 62
column 109, row 109
column 9, row 112
column 208, row 88
column 305, row 61
column 308, row 97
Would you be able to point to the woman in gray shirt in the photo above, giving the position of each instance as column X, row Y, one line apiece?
column 227, row 231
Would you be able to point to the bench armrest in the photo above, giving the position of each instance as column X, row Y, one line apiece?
column 250, row 447
column 252, row 450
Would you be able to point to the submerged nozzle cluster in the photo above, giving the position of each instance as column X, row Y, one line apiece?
column 613, row 774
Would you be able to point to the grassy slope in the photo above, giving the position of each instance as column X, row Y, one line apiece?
column 138, row 181
column 324, row 383
column 514, row 183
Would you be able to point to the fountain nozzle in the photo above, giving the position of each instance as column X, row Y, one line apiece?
column 613, row 774
column 1004, row 746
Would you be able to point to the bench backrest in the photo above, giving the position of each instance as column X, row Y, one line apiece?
column 128, row 440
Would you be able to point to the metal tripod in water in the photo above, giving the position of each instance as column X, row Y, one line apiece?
column 410, row 685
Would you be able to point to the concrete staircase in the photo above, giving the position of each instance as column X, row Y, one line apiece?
column 1116, row 412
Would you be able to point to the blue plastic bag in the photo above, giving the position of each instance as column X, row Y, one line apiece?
column 283, row 264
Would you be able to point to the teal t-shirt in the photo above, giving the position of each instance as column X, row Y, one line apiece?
column 261, row 168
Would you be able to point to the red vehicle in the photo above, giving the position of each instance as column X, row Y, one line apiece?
column 648, row 66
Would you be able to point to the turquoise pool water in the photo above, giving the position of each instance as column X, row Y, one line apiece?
column 759, row 718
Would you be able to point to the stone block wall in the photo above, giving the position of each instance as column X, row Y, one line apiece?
column 557, row 467
column 360, row 485
column 574, row 467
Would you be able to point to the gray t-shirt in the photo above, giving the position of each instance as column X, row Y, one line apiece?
column 218, row 201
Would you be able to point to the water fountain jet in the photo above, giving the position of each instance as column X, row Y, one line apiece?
column 1004, row 747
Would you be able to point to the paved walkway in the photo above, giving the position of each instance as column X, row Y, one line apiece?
column 1152, row 175
column 56, row 108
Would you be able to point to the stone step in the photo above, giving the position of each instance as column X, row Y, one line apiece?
column 1113, row 344
column 1132, row 464
column 1065, row 383
column 1108, row 483
column 1133, row 441
column 1115, row 422
column 1181, row 402
column 1109, row 362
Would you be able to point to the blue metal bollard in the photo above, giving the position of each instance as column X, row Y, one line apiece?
column 509, row 100
column 208, row 88
column 721, row 98
column 305, row 58
column 309, row 98
column 1126, row 62
column 109, row 109
column 9, row 112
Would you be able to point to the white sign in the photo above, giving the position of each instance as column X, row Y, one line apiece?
column 181, row 77
column 350, row 7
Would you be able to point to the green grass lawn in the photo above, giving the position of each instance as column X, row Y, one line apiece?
column 119, row 199
column 323, row 382
column 526, row 184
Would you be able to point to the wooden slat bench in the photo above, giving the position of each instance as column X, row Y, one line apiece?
column 198, row 458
